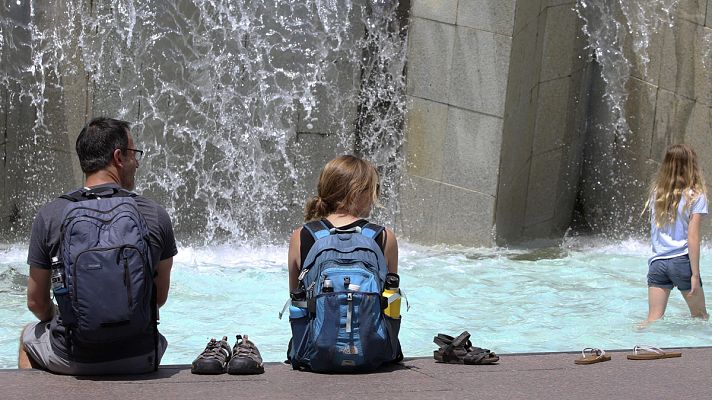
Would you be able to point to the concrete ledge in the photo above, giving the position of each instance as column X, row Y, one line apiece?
column 517, row 376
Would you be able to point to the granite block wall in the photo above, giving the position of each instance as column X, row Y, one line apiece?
column 458, row 62
column 494, row 124
column 544, row 124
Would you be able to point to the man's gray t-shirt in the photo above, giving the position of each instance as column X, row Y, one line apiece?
column 44, row 244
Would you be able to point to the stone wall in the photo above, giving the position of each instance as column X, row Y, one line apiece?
column 458, row 62
column 544, row 125
column 494, row 128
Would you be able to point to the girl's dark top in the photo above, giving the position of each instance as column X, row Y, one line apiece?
column 307, row 241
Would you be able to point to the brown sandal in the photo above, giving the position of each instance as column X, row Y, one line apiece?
column 459, row 350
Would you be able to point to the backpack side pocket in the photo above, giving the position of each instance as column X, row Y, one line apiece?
column 299, row 321
column 64, row 304
column 393, row 328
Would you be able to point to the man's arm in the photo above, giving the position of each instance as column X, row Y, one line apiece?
column 163, row 280
column 38, row 300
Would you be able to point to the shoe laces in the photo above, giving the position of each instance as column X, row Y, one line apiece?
column 215, row 347
column 244, row 348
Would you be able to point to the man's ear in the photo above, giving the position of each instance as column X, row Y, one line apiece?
column 117, row 158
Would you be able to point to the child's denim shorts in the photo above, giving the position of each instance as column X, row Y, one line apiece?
column 670, row 272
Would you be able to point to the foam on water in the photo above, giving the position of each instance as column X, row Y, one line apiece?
column 587, row 292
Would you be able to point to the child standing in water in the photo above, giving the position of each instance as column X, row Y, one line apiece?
column 677, row 204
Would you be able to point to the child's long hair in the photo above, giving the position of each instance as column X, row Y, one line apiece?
column 679, row 175
column 342, row 185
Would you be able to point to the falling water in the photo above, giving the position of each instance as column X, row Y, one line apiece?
column 236, row 103
column 620, row 34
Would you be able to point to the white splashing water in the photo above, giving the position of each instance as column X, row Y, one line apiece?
column 619, row 35
column 224, row 96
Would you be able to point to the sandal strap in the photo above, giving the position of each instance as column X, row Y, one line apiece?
column 457, row 342
column 646, row 348
column 592, row 350
column 461, row 339
column 475, row 357
column 443, row 340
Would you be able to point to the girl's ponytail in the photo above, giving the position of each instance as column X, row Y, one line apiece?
column 315, row 209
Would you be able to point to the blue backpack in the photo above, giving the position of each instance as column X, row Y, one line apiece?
column 344, row 330
column 108, row 293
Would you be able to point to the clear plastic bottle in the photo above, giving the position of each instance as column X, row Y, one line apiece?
column 57, row 274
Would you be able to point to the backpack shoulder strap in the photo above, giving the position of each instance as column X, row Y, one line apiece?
column 371, row 230
column 317, row 229
column 74, row 196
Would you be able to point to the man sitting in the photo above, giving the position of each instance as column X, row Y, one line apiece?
column 112, row 253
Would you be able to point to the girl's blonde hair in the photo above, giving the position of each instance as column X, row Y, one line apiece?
column 342, row 185
column 679, row 175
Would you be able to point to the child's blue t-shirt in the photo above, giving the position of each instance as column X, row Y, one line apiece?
column 671, row 240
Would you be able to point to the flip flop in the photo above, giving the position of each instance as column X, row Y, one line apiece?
column 643, row 352
column 594, row 356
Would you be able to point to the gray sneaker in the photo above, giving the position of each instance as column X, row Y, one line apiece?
column 246, row 359
column 212, row 360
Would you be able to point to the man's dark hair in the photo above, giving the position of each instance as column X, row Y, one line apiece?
column 98, row 140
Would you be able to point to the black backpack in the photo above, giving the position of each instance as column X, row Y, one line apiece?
column 107, row 266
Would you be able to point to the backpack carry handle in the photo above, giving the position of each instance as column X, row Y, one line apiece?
column 335, row 231
column 99, row 192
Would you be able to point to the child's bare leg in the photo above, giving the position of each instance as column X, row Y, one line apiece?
column 657, row 302
column 696, row 303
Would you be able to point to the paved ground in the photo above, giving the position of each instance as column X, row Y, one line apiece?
column 533, row 376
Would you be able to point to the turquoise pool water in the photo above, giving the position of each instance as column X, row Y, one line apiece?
column 588, row 292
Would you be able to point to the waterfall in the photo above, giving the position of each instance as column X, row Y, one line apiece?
column 619, row 34
column 624, row 39
column 237, row 104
